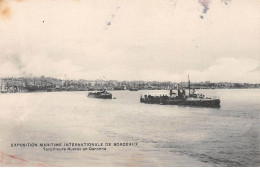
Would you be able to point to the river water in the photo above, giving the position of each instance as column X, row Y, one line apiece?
column 166, row 135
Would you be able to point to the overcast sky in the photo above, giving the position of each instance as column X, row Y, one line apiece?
column 164, row 40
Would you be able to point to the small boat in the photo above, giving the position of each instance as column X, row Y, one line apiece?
column 100, row 95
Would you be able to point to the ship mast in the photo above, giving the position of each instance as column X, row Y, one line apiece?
column 189, row 83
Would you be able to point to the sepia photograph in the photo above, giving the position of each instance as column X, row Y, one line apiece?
column 129, row 83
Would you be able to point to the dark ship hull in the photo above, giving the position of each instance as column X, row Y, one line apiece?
column 197, row 103
column 164, row 100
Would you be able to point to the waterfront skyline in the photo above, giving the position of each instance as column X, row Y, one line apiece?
column 49, row 84
column 132, row 40
column 103, row 79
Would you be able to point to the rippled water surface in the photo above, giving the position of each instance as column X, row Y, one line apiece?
column 166, row 135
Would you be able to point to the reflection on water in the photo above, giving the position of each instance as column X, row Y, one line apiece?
column 166, row 135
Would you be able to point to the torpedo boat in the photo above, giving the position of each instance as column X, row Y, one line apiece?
column 100, row 95
column 181, row 98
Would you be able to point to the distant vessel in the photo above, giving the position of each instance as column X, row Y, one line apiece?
column 100, row 94
column 120, row 87
column 133, row 89
column 192, row 99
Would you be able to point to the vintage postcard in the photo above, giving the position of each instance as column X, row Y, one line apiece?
column 118, row 83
